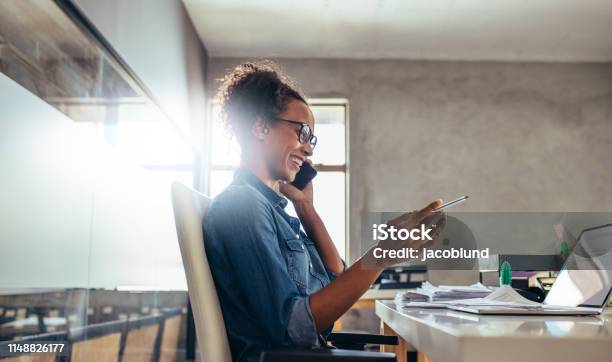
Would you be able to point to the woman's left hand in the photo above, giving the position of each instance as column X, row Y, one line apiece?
column 300, row 198
column 313, row 225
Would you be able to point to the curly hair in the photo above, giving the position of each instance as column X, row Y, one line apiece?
column 252, row 90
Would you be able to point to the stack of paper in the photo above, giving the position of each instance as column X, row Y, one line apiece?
column 431, row 293
column 504, row 296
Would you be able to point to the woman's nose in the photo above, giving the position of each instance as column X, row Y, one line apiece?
column 308, row 150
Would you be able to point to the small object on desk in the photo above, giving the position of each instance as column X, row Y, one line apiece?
column 505, row 274
column 565, row 251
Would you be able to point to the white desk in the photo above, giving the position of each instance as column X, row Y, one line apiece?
column 448, row 336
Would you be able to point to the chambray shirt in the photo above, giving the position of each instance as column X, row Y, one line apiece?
column 264, row 267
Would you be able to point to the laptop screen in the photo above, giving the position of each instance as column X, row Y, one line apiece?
column 586, row 277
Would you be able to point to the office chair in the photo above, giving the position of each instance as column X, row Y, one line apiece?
column 190, row 207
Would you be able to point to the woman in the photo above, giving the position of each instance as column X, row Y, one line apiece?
column 279, row 287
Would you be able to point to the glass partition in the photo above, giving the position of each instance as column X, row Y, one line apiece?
column 87, row 234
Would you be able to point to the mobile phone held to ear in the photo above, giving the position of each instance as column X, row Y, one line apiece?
column 304, row 176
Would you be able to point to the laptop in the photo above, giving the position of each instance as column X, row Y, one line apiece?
column 582, row 286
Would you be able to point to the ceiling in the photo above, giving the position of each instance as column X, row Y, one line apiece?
column 507, row 30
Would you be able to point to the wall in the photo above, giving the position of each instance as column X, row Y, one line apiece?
column 513, row 136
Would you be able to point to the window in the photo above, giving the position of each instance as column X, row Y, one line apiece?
column 330, row 185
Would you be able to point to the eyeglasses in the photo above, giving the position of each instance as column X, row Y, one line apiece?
column 305, row 133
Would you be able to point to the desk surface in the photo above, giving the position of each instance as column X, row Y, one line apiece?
column 382, row 293
column 445, row 335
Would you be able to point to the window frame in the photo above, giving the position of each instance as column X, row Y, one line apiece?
column 340, row 167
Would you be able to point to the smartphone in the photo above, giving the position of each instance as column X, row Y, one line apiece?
column 304, row 176
column 451, row 203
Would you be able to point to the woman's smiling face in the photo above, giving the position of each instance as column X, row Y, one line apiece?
column 283, row 151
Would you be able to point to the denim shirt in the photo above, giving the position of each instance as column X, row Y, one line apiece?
column 264, row 267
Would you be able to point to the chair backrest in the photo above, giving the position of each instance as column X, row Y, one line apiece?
column 190, row 207
column 168, row 350
column 97, row 343
column 141, row 340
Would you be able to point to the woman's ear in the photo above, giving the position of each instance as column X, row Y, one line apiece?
column 260, row 129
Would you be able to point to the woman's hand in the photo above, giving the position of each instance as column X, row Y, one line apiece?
column 313, row 225
column 408, row 221
column 301, row 199
column 296, row 195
